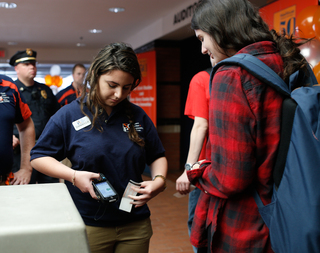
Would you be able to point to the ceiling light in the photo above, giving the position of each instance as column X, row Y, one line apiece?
column 116, row 10
column 12, row 43
column 95, row 31
column 81, row 45
column 8, row 5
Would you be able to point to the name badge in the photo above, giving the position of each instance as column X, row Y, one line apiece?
column 81, row 123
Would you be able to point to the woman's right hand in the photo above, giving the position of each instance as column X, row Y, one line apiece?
column 83, row 180
column 54, row 168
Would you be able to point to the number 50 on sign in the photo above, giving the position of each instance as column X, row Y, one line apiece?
column 285, row 20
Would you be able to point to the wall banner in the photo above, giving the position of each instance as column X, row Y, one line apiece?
column 285, row 20
column 145, row 95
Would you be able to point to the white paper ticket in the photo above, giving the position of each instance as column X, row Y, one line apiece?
column 125, row 200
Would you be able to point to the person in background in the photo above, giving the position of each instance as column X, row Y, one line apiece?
column 70, row 93
column 197, row 108
column 40, row 100
column 102, row 132
column 14, row 110
column 244, row 126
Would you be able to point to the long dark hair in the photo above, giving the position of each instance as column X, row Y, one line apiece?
column 234, row 24
column 115, row 56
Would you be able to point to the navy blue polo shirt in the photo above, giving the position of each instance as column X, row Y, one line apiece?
column 110, row 152
column 13, row 110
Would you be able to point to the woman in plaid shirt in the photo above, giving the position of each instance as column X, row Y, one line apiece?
column 244, row 127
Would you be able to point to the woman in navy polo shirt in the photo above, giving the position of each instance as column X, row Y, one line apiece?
column 102, row 132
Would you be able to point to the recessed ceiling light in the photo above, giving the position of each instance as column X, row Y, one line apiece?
column 95, row 31
column 116, row 10
column 8, row 5
column 81, row 45
column 12, row 43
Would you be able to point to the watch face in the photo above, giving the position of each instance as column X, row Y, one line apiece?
column 187, row 166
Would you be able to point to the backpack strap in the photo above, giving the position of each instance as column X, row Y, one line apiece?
column 287, row 117
column 208, row 70
column 256, row 68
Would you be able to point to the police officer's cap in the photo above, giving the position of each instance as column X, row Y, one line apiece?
column 27, row 55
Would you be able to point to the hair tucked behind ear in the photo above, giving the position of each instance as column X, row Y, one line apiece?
column 115, row 56
column 235, row 24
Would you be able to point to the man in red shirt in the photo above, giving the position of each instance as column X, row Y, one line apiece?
column 197, row 108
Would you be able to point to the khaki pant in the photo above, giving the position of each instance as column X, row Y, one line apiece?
column 130, row 238
column 66, row 162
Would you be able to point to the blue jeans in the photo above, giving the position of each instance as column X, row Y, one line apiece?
column 193, row 200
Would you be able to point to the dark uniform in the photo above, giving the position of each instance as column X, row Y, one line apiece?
column 67, row 95
column 42, row 103
column 14, row 110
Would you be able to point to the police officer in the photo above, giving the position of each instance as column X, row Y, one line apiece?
column 41, row 101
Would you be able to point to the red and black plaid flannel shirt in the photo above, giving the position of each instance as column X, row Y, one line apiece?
column 244, row 132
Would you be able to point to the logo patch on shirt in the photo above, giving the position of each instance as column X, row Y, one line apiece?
column 4, row 98
column 126, row 127
column 81, row 123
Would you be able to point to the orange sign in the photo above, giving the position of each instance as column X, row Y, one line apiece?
column 285, row 20
column 145, row 95
column 283, row 13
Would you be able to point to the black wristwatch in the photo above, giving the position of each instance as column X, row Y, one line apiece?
column 188, row 166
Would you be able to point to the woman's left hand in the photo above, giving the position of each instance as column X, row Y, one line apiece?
column 147, row 191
